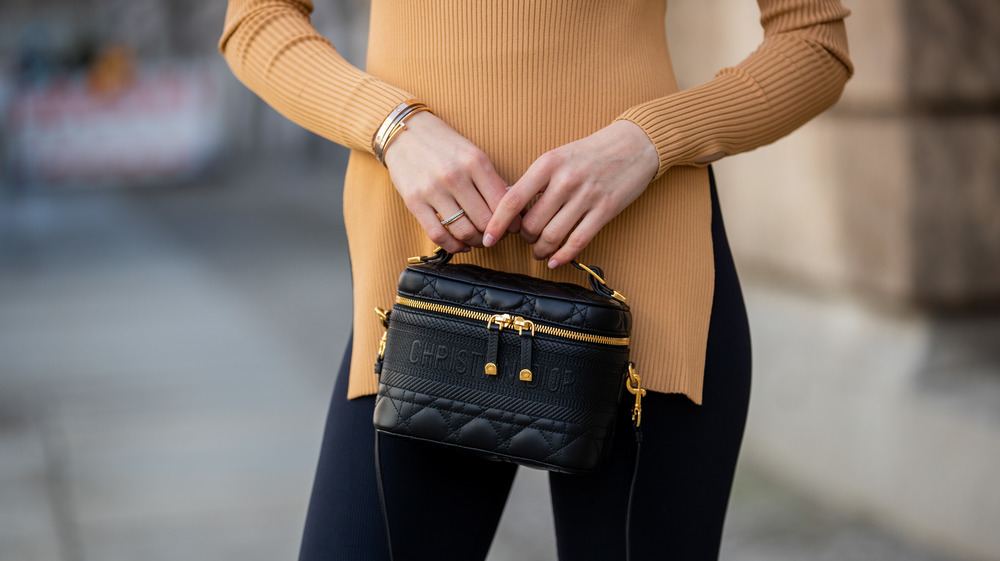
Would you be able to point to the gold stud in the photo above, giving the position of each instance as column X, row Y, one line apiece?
column 491, row 369
column 525, row 375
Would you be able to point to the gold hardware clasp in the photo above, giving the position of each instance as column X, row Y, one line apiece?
column 634, row 385
column 381, row 346
column 385, row 323
column 500, row 320
column 520, row 324
column 383, row 315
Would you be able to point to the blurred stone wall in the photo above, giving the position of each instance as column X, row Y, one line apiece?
column 895, row 193
column 952, row 95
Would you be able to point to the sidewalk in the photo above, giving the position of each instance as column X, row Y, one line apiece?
column 166, row 358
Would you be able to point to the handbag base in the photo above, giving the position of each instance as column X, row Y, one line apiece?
column 496, row 433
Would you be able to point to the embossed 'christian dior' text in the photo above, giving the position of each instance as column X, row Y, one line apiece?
column 448, row 360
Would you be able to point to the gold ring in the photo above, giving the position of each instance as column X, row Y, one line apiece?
column 453, row 217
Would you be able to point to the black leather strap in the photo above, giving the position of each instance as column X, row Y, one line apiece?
column 381, row 494
column 525, row 357
column 631, row 494
column 492, row 344
column 440, row 257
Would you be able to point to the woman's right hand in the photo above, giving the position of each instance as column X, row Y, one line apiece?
column 438, row 171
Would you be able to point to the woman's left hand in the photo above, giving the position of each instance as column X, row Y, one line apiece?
column 584, row 184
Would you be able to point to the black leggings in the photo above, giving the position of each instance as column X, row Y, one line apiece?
column 446, row 504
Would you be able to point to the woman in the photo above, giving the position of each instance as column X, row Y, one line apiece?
column 574, row 102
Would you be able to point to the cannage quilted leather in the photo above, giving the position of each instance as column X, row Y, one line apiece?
column 433, row 380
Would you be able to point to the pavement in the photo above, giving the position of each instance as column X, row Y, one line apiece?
column 166, row 359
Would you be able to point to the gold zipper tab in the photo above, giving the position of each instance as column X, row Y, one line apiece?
column 505, row 320
column 499, row 320
column 520, row 324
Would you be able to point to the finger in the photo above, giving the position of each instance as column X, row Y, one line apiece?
column 477, row 211
column 465, row 231
column 578, row 239
column 446, row 205
column 557, row 229
column 493, row 188
column 438, row 234
column 512, row 203
column 535, row 219
column 461, row 228
column 489, row 184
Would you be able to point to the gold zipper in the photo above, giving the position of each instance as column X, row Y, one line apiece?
column 505, row 320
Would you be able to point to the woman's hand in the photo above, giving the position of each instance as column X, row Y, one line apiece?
column 437, row 171
column 584, row 184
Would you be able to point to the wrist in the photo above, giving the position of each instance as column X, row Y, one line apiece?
column 417, row 127
column 637, row 142
column 394, row 124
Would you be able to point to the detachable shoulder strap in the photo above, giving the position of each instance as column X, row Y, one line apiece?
column 633, row 383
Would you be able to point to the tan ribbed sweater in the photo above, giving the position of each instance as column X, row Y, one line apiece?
column 518, row 78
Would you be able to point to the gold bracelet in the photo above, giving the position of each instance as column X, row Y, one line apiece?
column 393, row 127
column 387, row 123
column 401, row 125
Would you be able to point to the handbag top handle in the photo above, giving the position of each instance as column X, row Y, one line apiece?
column 595, row 274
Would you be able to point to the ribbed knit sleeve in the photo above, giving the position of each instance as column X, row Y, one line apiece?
column 272, row 48
column 797, row 72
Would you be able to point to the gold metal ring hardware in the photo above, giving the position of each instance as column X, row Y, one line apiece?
column 383, row 315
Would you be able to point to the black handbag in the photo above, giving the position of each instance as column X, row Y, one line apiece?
column 505, row 365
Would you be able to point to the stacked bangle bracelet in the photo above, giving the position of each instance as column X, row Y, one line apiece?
column 394, row 123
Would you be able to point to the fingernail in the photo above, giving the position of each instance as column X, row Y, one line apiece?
column 553, row 263
column 489, row 240
column 509, row 187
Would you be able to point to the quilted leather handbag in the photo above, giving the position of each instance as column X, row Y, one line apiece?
column 504, row 365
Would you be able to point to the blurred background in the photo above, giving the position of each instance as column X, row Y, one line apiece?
column 175, row 292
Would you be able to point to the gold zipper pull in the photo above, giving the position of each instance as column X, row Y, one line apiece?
column 500, row 320
column 520, row 324
column 493, row 341
column 525, row 374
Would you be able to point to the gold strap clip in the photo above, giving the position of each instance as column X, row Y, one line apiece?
column 634, row 385
column 384, row 316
